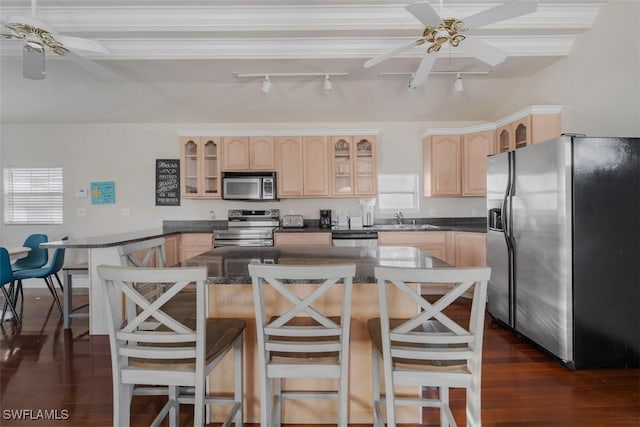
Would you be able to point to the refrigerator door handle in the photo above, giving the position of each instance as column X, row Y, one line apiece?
column 506, row 228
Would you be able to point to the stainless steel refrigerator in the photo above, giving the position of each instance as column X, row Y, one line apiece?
column 563, row 242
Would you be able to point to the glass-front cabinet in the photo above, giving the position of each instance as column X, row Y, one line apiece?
column 200, row 170
column 353, row 166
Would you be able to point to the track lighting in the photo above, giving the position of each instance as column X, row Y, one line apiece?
column 266, row 85
column 327, row 87
column 457, row 84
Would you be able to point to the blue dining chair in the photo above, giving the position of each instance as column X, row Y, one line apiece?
column 37, row 257
column 6, row 278
column 47, row 273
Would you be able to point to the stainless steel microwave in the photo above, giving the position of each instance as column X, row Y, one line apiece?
column 249, row 185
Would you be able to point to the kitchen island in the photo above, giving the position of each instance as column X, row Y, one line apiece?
column 230, row 295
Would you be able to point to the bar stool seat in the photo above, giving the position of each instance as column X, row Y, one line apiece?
column 69, row 311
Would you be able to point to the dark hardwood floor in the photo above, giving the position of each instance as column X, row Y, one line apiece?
column 44, row 367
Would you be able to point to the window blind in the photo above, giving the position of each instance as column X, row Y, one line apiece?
column 33, row 195
column 398, row 192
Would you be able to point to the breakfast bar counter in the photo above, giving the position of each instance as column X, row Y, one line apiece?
column 230, row 295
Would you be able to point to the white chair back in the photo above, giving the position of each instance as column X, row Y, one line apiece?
column 152, row 346
column 434, row 347
column 300, row 340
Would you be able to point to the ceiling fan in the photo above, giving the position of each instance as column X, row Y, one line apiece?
column 447, row 29
column 38, row 36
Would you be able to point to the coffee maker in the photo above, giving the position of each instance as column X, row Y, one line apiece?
column 325, row 218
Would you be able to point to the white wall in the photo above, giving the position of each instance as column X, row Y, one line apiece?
column 598, row 82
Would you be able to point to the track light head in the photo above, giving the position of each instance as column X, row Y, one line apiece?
column 327, row 87
column 266, row 85
column 457, row 84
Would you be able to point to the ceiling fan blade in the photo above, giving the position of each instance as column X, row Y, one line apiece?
column 507, row 10
column 78, row 43
column 423, row 71
column 425, row 13
column 32, row 64
column 483, row 51
column 93, row 67
column 378, row 59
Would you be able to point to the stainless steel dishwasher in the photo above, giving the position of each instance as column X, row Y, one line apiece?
column 363, row 239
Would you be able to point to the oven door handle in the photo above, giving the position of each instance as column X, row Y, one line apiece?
column 247, row 242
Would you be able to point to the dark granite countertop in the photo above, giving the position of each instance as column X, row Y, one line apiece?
column 108, row 240
column 471, row 224
column 228, row 265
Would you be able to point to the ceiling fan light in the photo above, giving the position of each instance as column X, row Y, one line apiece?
column 327, row 87
column 266, row 85
column 441, row 36
column 457, row 84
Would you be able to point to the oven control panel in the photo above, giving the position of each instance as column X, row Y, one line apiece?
column 249, row 214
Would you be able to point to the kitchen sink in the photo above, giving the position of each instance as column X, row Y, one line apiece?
column 383, row 227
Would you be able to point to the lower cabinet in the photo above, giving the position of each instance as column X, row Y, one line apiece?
column 172, row 250
column 436, row 243
column 462, row 249
column 302, row 239
column 192, row 244
column 470, row 249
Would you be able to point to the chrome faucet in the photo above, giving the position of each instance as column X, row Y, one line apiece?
column 399, row 217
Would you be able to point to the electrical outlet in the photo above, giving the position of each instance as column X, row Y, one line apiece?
column 474, row 212
column 124, row 211
column 82, row 212
column 433, row 212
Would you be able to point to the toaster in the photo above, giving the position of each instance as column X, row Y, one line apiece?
column 292, row 221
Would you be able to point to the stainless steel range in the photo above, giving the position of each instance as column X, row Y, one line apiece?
column 248, row 228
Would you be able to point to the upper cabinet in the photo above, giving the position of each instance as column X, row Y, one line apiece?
column 200, row 171
column 527, row 130
column 241, row 153
column 456, row 165
column 475, row 149
column 302, row 166
column 442, row 165
column 353, row 166
column 289, row 166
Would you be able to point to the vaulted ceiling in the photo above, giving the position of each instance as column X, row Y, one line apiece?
column 179, row 59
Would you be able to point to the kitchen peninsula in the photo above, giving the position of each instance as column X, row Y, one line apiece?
column 102, row 250
column 230, row 295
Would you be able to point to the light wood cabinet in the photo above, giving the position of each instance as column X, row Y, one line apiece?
column 289, row 162
column 302, row 166
column 353, row 166
column 192, row 244
column 475, row 149
column 470, row 249
column 241, row 153
column 528, row 130
column 302, row 239
column 315, row 166
column 436, row 243
column 172, row 250
column 456, row 165
column 442, row 165
column 200, row 167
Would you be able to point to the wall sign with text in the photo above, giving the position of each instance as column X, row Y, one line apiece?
column 167, row 182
